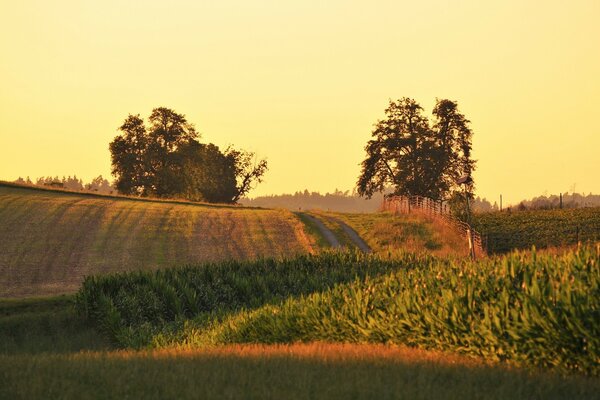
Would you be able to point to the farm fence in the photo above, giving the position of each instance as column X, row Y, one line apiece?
column 440, row 210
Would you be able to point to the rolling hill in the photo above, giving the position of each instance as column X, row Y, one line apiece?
column 50, row 240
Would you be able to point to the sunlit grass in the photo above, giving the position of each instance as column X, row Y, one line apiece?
column 389, row 234
column 50, row 240
column 313, row 371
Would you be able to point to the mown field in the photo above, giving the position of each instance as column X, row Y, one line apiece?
column 541, row 228
column 51, row 240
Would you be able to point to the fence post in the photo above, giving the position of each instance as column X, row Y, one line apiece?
column 470, row 241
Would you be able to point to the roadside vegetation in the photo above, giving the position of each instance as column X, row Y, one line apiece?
column 506, row 231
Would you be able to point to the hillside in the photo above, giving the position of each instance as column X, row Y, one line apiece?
column 50, row 240
column 389, row 234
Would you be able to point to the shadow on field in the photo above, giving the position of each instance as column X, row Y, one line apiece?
column 143, row 309
column 314, row 371
column 46, row 325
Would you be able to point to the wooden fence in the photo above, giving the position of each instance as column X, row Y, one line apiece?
column 440, row 210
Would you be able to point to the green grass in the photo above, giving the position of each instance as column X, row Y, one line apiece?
column 320, row 241
column 281, row 376
column 46, row 325
column 541, row 228
column 50, row 240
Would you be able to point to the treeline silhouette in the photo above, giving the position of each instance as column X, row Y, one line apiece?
column 337, row 201
column 351, row 202
column 97, row 185
column 544, row 202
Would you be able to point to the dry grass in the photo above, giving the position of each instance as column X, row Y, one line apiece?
column 50, row 240
column 388, row 234
column 321, row 351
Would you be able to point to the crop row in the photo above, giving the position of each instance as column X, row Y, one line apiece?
column 506, row 231
column 541, row 310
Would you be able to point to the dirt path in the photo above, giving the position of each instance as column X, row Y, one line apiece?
column 326, row 232
column 332, row 239
column 358, row 241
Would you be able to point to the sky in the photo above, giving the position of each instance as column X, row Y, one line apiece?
column 301, row 83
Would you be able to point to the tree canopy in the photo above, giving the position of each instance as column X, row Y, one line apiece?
column 165, row 159
column 416, row 156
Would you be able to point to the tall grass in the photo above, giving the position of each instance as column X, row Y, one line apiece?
column 541, row 310
column 295, row 372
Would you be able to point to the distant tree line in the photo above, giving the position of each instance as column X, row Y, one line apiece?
column 337, row 201
column 98, row 184
column 544, row 202
column 165, row 159
column 569, row 200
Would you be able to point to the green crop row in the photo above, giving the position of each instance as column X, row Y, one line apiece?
column 507, row 231
column 541, row 310
column 132, row 307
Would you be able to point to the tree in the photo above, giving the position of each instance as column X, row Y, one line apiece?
column 247, row 169
column 165, row 159
column 128, row 153
column 208, row 174
column 415, row 157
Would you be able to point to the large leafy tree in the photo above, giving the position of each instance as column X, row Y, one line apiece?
column 415, row 156
column 165, row 159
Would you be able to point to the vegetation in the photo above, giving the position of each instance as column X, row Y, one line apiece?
column 389, row 235
column 337, row 201
column 98, row 184
column 315, row 371
column 541, row 228
column 42, row 325
column 539, row 310
column 414, row 156
column 165, row 159
column 52, row 239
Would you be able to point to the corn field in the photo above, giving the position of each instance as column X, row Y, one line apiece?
column 539, row 310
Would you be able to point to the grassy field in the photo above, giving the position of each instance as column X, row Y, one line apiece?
column 50, row 240
column 389, row 234
column 56, row 355
column 540, row 228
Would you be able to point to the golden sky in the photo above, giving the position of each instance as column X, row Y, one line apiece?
column 301, row 83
